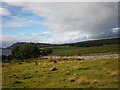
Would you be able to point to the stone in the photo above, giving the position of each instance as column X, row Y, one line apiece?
column 72, row 80
column 53, row 69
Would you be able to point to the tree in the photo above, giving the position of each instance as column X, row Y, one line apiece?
column 9, row 57
column 16, row 52
column 4, row 57
column 24, row 51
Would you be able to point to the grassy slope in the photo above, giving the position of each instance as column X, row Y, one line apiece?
column 101, row 73
column 72, row 50
column 98, row 42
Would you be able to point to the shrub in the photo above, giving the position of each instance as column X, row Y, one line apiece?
column 45, row 51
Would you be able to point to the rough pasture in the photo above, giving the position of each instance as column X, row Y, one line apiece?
column 70, row 73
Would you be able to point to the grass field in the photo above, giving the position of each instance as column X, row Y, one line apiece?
column 100, row 73
column 77, row 51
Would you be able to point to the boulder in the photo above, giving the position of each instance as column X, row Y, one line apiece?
column 53, row 69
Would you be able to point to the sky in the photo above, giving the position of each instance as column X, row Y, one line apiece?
column 57, row 22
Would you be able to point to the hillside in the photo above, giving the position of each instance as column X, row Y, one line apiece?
column 78, row 51
column 96, row 42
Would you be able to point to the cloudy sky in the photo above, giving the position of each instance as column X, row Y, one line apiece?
column 53, row 22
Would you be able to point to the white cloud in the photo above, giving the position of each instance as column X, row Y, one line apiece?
column 74, row 16
column 8, row 40
column 75, row 21
column 46, row 32
column 4, row 12
column 116, row 30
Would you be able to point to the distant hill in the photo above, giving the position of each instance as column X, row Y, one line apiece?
column 97, row 42
column 21, row 43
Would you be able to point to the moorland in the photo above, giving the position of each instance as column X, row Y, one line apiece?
column 70, row 72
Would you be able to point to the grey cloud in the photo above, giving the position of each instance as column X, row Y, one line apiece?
column 84, row 17
column 95, row 19
column 104, row 35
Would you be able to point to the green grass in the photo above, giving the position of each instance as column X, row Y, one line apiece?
column 100, row 73
column 72, row 50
